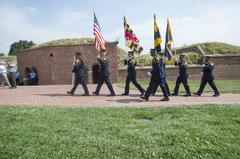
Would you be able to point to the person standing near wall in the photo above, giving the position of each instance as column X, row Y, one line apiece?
column 33, row 76
column 18, row 74
column 12, row 70
column 3, row 74
column 104, row 74
column 131, row 76
column 78, row 69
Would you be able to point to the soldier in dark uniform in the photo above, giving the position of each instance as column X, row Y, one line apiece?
column 166, row 84
column 157, row 77
column 182, row 76
column 78, row 70
column 207, row 77
column 104, row 74
column 131, row 76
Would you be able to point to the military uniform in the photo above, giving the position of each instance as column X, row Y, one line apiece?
column 207, row 77
column 157, row 78
column 182, row 77
column 104, row 76
column 131, row 76
column 166, row 84
column 79, row 72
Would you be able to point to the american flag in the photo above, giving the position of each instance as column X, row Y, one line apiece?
column 99, row 40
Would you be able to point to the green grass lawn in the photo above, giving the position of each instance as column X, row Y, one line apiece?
column 224, row 86
column 210, row 131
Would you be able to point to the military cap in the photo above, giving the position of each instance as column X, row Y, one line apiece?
column 130, row 53
column 207, row 57
column 78, row 53
column 103, row 50
column 182, row 55
column 153, row 52
column 160, row 53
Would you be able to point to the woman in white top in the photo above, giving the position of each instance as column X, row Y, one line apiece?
column 12, row 69
column 3, row 74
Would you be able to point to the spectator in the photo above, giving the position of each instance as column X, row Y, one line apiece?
column 12, row 69
column 18, row 74
column 26, row 78
column 3, row 74
column 34, row 76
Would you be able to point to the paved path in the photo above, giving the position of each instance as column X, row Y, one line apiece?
column 56, row 95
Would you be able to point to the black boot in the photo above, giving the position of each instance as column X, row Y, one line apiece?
column 216, row 95
column 187, row 95
column 197, row 94
column 174, row 94
column 111, row 95
column 85, row 94
column 144, row 97
column 96, row 93
column 165, row 99
column 70, row 93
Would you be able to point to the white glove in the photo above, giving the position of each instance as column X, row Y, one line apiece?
column 149, row 74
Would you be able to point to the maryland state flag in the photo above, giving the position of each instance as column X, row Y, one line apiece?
column 157, row 37
column 168, row 42
column 131, row 39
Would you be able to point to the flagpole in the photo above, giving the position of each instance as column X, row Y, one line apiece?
column 174, row 51
column 93, row 9
column 124, row 34
column 73, row 75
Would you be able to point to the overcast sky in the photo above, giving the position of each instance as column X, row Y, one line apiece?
column 191, row 20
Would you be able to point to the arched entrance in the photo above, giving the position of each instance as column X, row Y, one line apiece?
column 95, row 73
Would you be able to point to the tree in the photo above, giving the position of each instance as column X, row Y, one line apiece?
column 20, row 45
column 2, row 54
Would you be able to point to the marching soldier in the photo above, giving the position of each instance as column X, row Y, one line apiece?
column 165, row 80
column 207, row 77
column 157, row 78
column 78, row 69
column 182, row 76
column 166, row 84
column 104, row 74
column 131, row 76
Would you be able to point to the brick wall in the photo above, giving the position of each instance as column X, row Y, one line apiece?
column 226, row 67
column 56, row 69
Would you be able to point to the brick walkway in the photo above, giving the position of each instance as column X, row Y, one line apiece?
column 56, row 95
